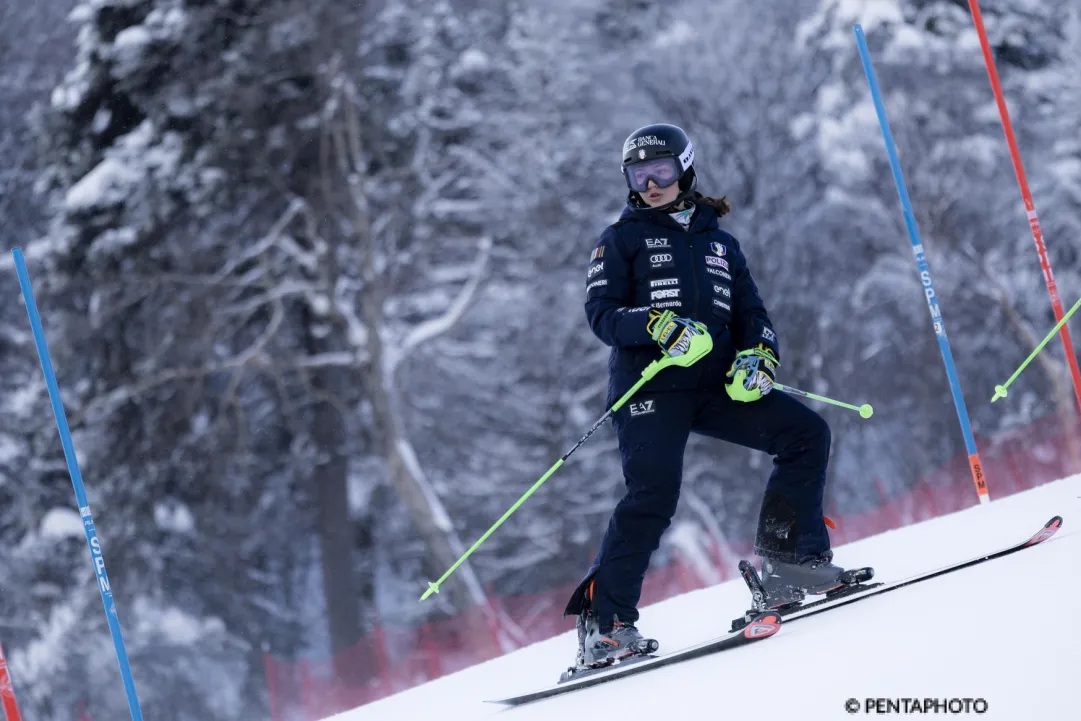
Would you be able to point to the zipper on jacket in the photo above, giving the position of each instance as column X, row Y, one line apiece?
column 694, row 269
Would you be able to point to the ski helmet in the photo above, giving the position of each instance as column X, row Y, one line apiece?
column 663, row 153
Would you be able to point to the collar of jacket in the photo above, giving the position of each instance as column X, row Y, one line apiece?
column 704, row 217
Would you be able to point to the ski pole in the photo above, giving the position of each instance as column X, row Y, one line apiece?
column 1000, row 391
column 699, row 346
column 865, row 410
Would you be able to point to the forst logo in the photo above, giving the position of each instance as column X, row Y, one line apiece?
column 659, row 294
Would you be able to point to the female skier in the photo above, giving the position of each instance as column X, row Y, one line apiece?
column 658, row 275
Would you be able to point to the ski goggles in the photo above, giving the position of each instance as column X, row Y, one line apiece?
column 662, row 171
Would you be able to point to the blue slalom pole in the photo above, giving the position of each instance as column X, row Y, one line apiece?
column 77, row 481
column 925, row 273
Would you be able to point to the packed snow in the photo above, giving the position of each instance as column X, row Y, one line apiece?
column 1005, row 631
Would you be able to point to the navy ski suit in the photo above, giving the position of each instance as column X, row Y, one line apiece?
column 645, row 260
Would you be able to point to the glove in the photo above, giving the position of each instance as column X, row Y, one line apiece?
column 672, row 333
column 753, row 373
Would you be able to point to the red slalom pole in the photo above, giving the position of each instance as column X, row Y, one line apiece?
column 1030, row 207
column 7, row 691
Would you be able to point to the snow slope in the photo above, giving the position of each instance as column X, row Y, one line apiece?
column 1007, row 631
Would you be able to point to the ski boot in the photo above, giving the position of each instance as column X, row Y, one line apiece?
column 782, row 587
column 597, row 650
column 789, row 583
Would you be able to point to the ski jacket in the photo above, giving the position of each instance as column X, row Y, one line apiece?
column 647, row 260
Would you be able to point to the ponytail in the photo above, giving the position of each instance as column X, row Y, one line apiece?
column 721, row 205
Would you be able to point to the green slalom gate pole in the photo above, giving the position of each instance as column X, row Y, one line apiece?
column 865, row 410
column 700, row 345
column 1000, row 390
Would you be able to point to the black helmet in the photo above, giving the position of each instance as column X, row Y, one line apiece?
column 660, row 152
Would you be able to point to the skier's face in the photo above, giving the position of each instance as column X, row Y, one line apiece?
column 656, row 196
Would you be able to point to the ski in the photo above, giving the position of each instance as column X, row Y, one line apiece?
column 858, row 591
column 762, row 625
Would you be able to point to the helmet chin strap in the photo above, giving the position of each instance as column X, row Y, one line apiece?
column 680, row 199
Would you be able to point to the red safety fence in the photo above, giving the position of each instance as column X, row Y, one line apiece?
column 391, row 658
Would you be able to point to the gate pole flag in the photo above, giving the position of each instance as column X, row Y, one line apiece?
column 96, row 557
column 925, row 273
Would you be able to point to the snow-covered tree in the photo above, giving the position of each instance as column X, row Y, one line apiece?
column 172, row 286
column 943, row 118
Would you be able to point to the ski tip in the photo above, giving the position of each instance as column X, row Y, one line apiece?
column 1049, row 529
column 762, row 626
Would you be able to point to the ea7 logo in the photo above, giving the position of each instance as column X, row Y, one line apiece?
column 652, row 243
column 642, row 408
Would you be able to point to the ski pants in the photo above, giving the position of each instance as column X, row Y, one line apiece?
column 653, row 430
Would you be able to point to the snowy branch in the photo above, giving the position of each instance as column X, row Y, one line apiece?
column 430, row 329
column 107, row 403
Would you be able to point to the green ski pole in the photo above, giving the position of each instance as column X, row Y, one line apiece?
column 1000, row 391
column 865, row 410
column 700, row 345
